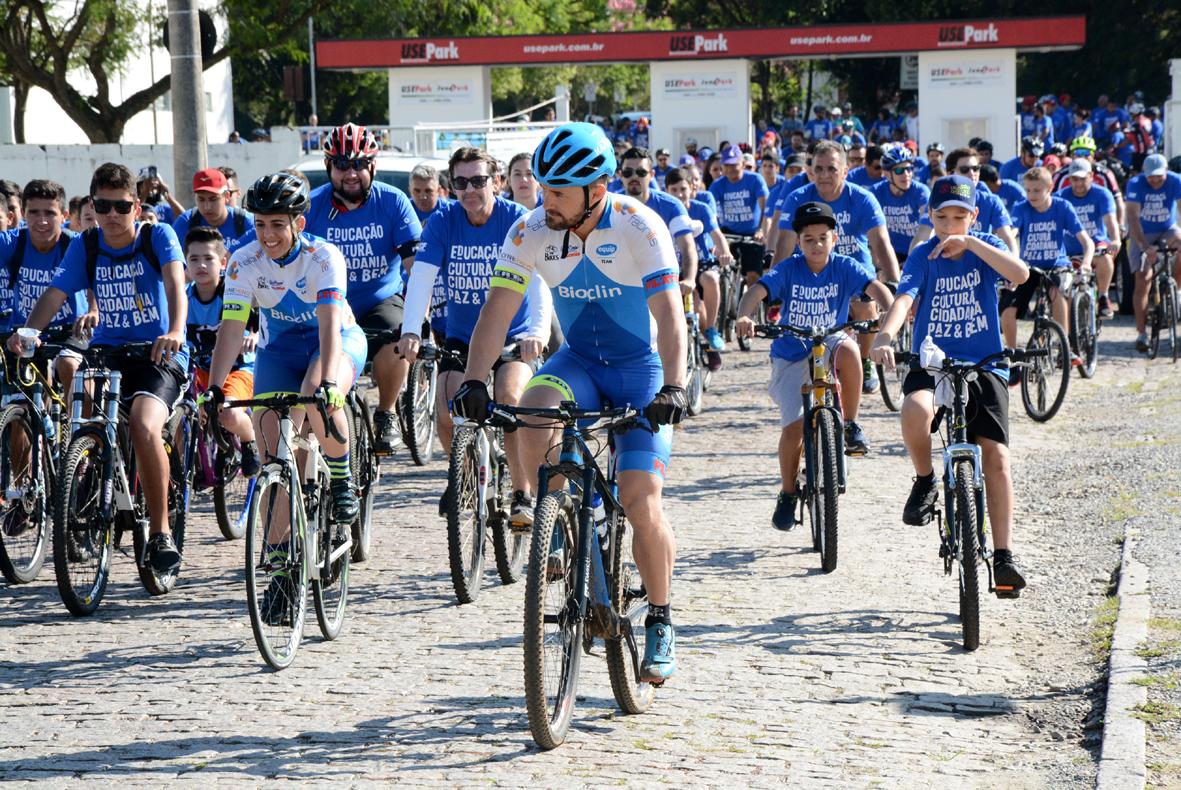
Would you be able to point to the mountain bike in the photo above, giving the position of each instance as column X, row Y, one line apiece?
column 1045, row 379
column 696, row 371
column 582, row 582
column 1085, row 323
column 738, row 284
column 891, row 383
column 1162, row 303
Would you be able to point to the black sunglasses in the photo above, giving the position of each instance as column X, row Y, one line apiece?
column 103, row 206
column 628, row 172
column 344, row 163
column 478, row 182
column 902, row 170
column 965, row 169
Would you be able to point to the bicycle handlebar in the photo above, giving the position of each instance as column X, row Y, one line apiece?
column 282, row 404
column 566, row 413
column 1011, row 355
column 774, row 331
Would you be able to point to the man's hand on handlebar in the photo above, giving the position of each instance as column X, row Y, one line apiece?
column 408, row 346
column 882, row 352
column 330, row 395
column 744, row 326
column 84, row 325
column 530, row 348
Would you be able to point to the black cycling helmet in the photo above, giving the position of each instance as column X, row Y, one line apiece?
column 1032, row 145
column 278, row 193
column 935, row 147
column 1059, row 150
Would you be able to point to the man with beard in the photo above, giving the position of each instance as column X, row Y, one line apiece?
column 636, row 171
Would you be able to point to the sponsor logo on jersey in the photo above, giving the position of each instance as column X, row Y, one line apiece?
column 518, row 237
column 552, row 253
column 589, row 294
column 233, row 275
column 606, row 249
column 301, row 283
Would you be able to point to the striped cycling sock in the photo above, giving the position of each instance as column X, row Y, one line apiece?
column 338, row 468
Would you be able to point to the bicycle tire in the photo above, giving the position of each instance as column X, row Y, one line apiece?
column 630, row 601
column 178, row 506
column 724, row 322
column 363, row 464
column 276, row 642
column 231, row 494
column 1156, row 319
column 1084, row 316
column 465, row 530
column 1046, row 376
column 24, row 522
column 968, row 553
column 694, row 385
column 82, row 542
column 891, row 383
column 1171, row 319
column 744, row 343
column 827, row 491
column 550, row 721
column 330, row 592
column 417, row 414
column 509, row 545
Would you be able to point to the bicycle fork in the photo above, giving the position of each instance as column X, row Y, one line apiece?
column 950, row 540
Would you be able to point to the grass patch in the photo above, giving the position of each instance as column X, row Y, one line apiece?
column 1103, row 628
column 1156, row 713
column 1170, row 681
column 1124, row 506
column 1164, row 623
column 1158, row 649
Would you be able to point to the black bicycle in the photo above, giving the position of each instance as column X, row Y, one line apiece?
column 1085, row 323
column 1162, row 303
column 963, row 544
column 738, row 284
column 582, row 582
column 1044, row 381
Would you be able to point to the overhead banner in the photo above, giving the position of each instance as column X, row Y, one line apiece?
column 700, row 86
column 1063, row 32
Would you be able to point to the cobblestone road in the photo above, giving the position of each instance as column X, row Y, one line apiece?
column 850, row 679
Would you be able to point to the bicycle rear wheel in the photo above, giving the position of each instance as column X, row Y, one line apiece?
column 1045, row 379
column 178, row 510
column 1084, row 319
column 630, row 601
column 417, row 411
column 24, row 513
column 509, row 544
column 276, row 580
column 553, row 629
column 824, row 499
column 695, row 383
column 465, row 525
column 231, row 494
column 968, row 555
column 81, row 538
column 1170, row 311
column 331, row 590
column 1156, row 319
column 892, row 382
column 364, row 465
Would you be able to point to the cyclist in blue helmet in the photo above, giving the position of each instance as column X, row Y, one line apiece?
column 610, row 264
column 902, row 197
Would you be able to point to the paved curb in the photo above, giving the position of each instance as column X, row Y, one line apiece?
column 1121, row 764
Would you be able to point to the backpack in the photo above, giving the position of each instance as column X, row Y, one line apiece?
column 239, row 220
column 18, row 255
column 142, row 243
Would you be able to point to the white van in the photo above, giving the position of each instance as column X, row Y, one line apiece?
column 393, row 169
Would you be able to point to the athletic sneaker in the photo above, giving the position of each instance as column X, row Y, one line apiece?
column 1006, row 575
column 856, row 442
column 163, row 555
column 1142, row 343
column 869, row 383
column 716, row 343
column 920, row 502
column 345, row 505
column 713, row 360
column 521, row 514
column 660, row 660
column 1105, row 310
column 385, row 426
column 249, row 463
column 784, row 517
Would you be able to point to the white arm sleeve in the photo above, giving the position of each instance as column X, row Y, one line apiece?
column 418, row 296
column 541, row 307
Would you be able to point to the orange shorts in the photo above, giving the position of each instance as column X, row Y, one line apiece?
column 239, row 384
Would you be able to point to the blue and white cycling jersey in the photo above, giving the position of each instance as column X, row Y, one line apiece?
column 600, row 287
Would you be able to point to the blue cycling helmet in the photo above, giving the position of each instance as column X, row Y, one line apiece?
column 573, row 155
column 896, row 154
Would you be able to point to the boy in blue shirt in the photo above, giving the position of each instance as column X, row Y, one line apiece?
column 815, row 287
column 953, row 277
column 1044, row 221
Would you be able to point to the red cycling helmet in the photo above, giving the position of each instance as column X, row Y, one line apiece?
column 351, row 141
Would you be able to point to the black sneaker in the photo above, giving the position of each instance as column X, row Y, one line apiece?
column 1006, row 575
column 163, row 555
column 920, row 502
column 1142, row 343
column 1105, row 310
column 249, row 464
column 345, row 505
column 784, row 517
column 385, row 426
column 520, row 517
column 276, row 605
column 443, row 501
column 856, row 442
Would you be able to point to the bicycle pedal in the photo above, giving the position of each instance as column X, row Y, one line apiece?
column 1006, row 593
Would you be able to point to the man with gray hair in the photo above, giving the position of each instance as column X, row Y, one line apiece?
column 426, row 193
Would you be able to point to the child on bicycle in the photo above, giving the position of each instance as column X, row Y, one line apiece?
column 205, row 260
column 953, row 277
column 815, row 287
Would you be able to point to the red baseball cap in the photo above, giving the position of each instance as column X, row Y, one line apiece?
column 210, row 180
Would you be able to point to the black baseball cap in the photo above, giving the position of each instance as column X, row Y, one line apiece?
column 813, row 213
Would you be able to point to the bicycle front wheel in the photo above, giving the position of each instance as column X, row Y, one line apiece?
column 1084, row 316
column 509, row 544
column 1170, row 311
column 418, row 411
column 24, row 481
column 276, row 580
column 695, row 383
column 331, row 589
column 1045, row 379
column 231, row 494
column 824, row 499
column 553, row 628
column 968, row 554
column 363, row 463
column 629, row 599
column 465, row 524
column 81, row 536
column 891, row 383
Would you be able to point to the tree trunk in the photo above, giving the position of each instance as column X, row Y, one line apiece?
column 808, row 99
column 20, row 91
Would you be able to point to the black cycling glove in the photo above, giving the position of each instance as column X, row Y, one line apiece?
column 668, row 407
column 472, row 401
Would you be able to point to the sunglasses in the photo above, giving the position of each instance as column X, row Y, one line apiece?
column 344, row 163
column 1081, row 152
column 103, row 206
column 965, row 169
column 477, row 182
column 628, row 172
column 902, row 170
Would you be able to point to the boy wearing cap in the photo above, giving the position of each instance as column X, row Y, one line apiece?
column 742, row 205
column 815, row 287
column 1153, row 203
column 953, row 277
column 211, row 191
column 662, row 166
column 1095, row 207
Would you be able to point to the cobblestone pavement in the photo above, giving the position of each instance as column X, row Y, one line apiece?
column 786, row 674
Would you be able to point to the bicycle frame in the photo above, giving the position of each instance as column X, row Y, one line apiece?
column 487, row 451
column 814, row 395
column 105, row 385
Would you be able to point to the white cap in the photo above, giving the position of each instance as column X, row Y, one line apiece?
column 836, row 111
column 1079, row 167
column 1156, row 165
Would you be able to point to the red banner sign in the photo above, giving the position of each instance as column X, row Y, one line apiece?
column 1064, row 32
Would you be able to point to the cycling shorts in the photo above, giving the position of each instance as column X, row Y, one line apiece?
column 1021, row 296
column 282, row 372
column 451, row 364
column 988, row 403
column 385, row 315
column 239, row 385
column 749, row 254
column 593, row 385
column 166, row 382
column 1136, row 252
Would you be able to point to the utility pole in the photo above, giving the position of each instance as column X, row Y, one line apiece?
column 312, row 50
column 188, row 92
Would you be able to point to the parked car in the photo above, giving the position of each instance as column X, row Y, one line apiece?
column 393, row 169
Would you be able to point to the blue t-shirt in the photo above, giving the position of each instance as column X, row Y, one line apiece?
column 812, row 299
column 883, row 129
column 424, row 215
column 1011, row 193
column 1026, row 124
column 660, row 172
column 817, row 129
column 1158, row 207
column 466, row 255
column 236, row 219
column 1013, row 170
column 992, row 213
column 708, row 199
column 856, row 211
column 798, row 181
column 164, row 212
column 34, row 277
column 957, row 301
column 1044, row 128
column 203, row 321
column 132, row 303
column 1043, row 234
column 861, row 177
column 704, row 214
column 902, row 212
column 1080, row 130
column 369, row 237
column 1091, row 208
column 775, row 196
column 672, row 211
column 738, row 202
